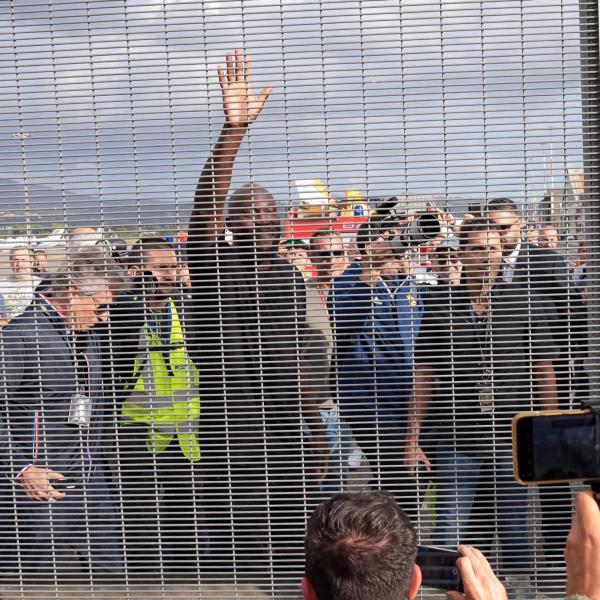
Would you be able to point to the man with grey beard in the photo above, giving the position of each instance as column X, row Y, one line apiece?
column 19, row 286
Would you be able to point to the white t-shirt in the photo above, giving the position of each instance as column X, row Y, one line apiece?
column 17, row 294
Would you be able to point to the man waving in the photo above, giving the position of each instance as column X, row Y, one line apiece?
column 248, row 321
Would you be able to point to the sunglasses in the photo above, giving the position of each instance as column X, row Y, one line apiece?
column 505, row 226
column 331, row 253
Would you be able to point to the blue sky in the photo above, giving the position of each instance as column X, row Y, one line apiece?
column 461, row 99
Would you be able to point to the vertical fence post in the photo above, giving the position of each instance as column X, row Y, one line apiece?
column 590, row 103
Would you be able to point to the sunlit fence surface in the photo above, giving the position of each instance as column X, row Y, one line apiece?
column 254, row 253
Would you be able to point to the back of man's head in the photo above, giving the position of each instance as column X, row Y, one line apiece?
column 360, row 546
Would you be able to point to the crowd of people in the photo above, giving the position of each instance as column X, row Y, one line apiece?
column 167, row 411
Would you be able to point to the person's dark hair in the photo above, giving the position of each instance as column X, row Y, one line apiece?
column 136, row 254
column 321, row 233
column 369, row 231
column 360, row 546
column 468, row 228
column 501, row 205
column 39, row 251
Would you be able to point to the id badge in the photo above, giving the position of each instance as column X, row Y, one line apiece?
column 80, row 411
column 486, row 399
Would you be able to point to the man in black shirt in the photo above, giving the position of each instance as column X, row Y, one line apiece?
column 486, row 351
column 543, row 272
column 247, row 327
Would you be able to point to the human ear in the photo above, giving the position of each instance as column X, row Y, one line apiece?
column 417, row 579
column 308, row 589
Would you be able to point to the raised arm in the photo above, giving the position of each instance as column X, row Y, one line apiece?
column 241, row 108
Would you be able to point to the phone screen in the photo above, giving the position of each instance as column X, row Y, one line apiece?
column 438, row 567
column 63, row 485
column 557, row 448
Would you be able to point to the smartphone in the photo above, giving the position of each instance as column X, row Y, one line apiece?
column 555, row 447
column 438, row 567
column 63, row 485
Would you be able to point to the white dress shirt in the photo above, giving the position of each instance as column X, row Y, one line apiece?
column 508, row 264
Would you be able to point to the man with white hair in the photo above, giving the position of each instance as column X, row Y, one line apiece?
column 52, row 423
column 18, row 288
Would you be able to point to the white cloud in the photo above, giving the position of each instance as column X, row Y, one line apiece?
column 339, row 67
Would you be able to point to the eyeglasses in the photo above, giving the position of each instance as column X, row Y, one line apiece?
column 102, row 308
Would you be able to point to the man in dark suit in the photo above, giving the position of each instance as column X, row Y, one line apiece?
column 543, row 272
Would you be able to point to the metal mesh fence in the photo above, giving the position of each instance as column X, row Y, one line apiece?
column 232, row 289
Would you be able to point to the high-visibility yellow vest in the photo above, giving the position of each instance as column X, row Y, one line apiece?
column 166, row 392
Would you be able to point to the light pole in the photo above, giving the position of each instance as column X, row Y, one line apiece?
column 23, row 136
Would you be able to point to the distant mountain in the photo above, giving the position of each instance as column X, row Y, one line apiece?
column 51, row 205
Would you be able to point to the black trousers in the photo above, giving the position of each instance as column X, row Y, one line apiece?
column 556, row 514
column 85, row 520
column 556, row 502
column 161, row 499
column 256, row 504
column 384, row 445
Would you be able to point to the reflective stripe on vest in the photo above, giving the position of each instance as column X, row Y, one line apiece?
column 165, row 395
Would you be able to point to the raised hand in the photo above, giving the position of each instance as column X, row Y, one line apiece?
column 240, row 104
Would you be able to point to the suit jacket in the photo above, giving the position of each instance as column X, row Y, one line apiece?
column 545, row 273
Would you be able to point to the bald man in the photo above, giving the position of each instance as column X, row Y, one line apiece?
column 249, row 323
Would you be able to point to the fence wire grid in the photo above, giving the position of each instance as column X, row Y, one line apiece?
column 254, row 253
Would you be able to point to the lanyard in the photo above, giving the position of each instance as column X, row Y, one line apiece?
column 85, row 387
column 165, row 337
column 165, row 334
column 82, row 383
column 484, row 342
column 322, row 295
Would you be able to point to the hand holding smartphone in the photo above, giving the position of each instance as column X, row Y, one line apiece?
column 480, row 581
column 439, row 569
column 555, row 447
column 63, row 485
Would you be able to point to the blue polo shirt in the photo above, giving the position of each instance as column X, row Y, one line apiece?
column 374, row 331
